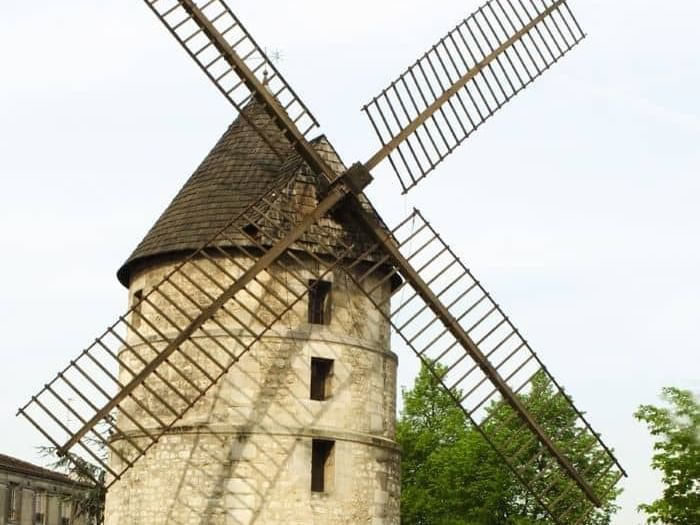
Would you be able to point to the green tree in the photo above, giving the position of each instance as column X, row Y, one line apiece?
column 451, row 476
column 554, row 414
column 676, row 429
column 444, row 479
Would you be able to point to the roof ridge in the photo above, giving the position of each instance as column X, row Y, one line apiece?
column 24, row 467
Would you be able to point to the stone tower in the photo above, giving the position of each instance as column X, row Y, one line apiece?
column 302, row 429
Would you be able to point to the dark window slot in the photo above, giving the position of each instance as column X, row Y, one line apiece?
column 321, row 378
column 252, row 231
column 319, row 302
column 137, row 303
column 322, row 465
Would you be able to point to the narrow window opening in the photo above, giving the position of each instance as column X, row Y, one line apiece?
column 322, row 465
column 40, row 502
column 15, row 503
column 66, row 513
column 321, row 378
column 136, row 304
column 252, row 231
column 320, row 302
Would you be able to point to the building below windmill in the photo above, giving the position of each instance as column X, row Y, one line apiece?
column 33, row 495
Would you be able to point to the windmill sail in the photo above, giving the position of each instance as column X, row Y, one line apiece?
column 495, row 348
column 141, row 377
column 223, row 48
column 539, row 30
column 104, row 407
column 438, row 102
column 449, row 320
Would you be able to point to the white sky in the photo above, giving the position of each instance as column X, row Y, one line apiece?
column 577, row 205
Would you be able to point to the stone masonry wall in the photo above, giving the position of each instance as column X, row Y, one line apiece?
column 242, row 455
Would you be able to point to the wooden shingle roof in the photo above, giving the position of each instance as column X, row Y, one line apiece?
column 235, row 174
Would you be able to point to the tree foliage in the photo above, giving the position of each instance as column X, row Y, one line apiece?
column 676, row 429
column 89, row 498
column 558, row 420
column 445, row 480
column 452, row 476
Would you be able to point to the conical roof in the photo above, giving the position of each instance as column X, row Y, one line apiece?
column 239, row 170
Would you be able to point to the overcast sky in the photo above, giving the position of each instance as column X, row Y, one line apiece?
column 577, row 205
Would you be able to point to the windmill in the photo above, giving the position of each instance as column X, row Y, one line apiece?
column 262, row 301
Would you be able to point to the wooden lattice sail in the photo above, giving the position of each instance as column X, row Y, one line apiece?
column 448, row 319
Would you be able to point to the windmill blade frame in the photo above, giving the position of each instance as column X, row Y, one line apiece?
column 188, row 20
column 149, row 369
column 225, row 51
column 88, row 435
column 465, row 370
column 463, row 80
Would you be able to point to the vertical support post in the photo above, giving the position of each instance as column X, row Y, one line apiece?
column 27, row 507
column 4, row 494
